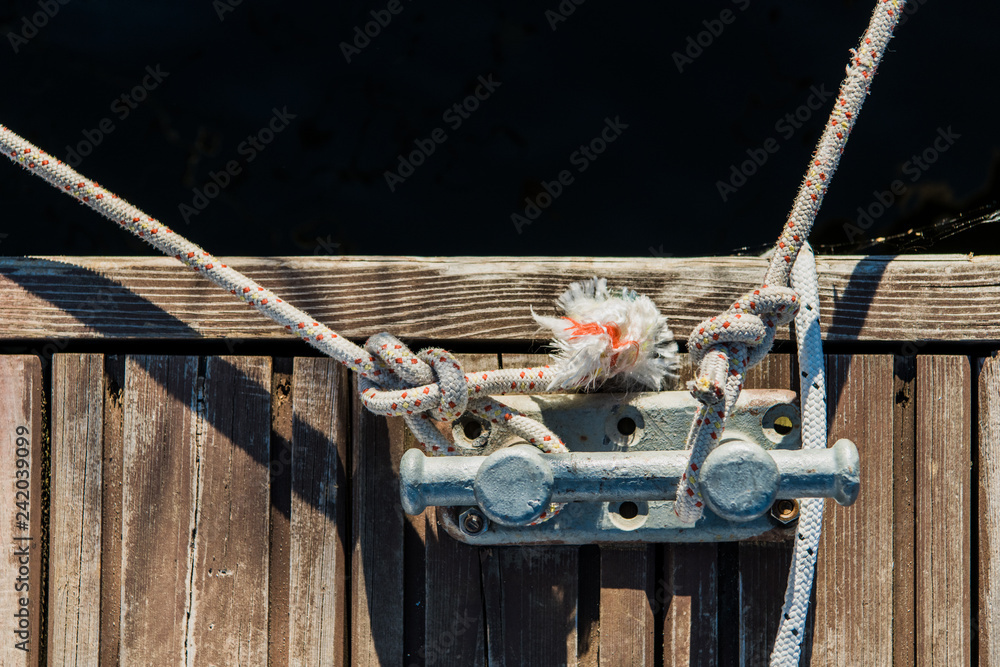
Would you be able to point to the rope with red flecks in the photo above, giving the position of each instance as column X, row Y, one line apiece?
column 726, row 346
column 422, row 388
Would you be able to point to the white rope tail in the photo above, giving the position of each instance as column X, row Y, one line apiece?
column 788, row 645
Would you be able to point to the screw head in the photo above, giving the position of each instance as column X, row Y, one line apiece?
column 473, row 522
column 785, row 510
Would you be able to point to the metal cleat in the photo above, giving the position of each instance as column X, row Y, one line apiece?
column 620, row 478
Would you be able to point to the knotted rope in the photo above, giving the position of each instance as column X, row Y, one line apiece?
column 384, row 362
column 393, row 381
column 726, row 346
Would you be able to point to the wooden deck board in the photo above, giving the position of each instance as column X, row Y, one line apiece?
column 75, row 516
column 989, row 511
column 279, row 514
column 904, row 438
column 943, row 508
column 228, row 604
column 111, row 506
column 20, row 528
column 763, row 567
column 854, row 574
column 691, row 605
column 318, row 537
column 377, row 534
column 159, row 493
column 477, row 298
column 628, row 577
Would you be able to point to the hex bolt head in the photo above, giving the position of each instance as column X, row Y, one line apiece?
column 785, row 511
column 473, row 522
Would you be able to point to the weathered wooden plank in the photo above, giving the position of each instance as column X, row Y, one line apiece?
column 279, row 568
column 20, row 496
column 943, row 511
column 989, row 511
column 158, row 507
column 454, row 627
column 111, row 509
column 763, row 567
column 77, row 425
column 689, row 594
column 904, row 436
column 228, row 606
column 318, row 533
column 628, row 576
column 530, row 592
column 377, row 535
column 447, row 298
column 853, row 591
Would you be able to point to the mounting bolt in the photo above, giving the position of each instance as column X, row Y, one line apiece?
column 473, row 522
column 785, row 511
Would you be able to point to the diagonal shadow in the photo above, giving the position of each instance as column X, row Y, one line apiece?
column 129, row 309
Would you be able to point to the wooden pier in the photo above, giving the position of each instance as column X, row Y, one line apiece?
column 198, row 488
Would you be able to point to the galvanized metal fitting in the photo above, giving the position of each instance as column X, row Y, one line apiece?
column 740, row 480
column 620, row 478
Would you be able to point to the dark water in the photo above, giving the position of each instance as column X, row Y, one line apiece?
column 318, row 185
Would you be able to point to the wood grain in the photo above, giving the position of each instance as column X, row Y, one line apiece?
column 377, row 535
column 75, row 512
column 763, row 567
column 20, row 528
column 454, row 627
column 228, row 605
column 989, row 511
column 904, row 436
column 158, row 507
column 853, row 599
column 689, row 595
column 943, row 517
column 628, row 578
column 531, row 593
column 318, row 551
column 448, row 298
column 112, row 514
column 279, row 516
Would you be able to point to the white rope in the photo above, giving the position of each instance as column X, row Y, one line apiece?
column 726, row 346
column 812, row 397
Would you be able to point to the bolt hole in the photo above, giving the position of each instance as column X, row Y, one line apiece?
column 626, row 426
column 472, row 429
column 783, row 425
column 628, row 509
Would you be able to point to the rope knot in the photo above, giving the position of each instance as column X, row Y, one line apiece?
column 434, row 378
column 738, row 339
